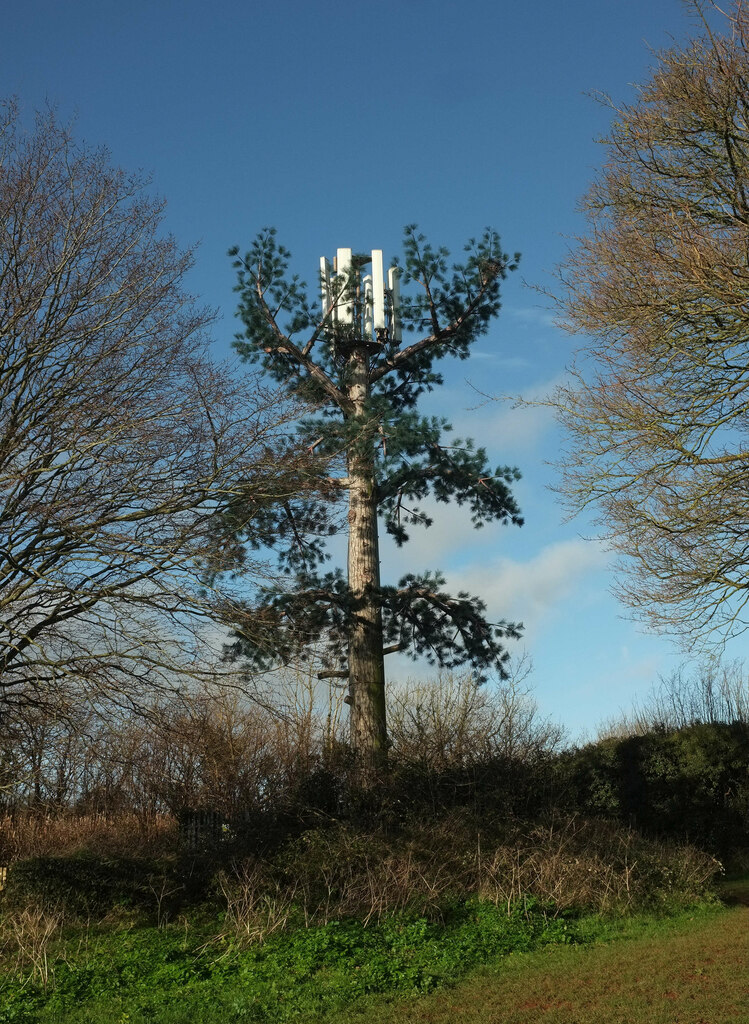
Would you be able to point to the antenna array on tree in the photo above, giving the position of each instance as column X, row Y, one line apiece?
column 359, row 303
column 387, row 459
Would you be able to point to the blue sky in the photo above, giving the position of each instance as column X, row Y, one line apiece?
column 338, row 123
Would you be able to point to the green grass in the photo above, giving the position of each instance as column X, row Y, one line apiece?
column 174, row 976
column 690, row 970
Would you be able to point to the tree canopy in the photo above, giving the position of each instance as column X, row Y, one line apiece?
column 120, row 438
column 657, row 410
column 365, row 379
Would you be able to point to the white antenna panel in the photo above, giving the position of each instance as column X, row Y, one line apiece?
column 368, row 321
column 345, row 307
column 325, row 286
column 378, row 290
column 395, row 292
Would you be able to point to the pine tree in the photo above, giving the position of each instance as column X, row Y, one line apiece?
column 352, row 364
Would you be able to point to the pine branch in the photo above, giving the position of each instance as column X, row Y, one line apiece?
column 285, row 347
column 440, row 336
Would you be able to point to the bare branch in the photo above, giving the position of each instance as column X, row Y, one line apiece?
column 119, row 438
column 658, row 419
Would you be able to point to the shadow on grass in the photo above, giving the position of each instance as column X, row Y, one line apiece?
column 734, row 892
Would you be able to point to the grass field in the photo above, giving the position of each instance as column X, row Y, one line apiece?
column 694, row 974
column 691, row 968
column 688, row 971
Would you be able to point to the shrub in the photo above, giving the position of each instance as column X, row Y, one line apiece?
column 84, row 886
column 426, row 870
column 690, row 783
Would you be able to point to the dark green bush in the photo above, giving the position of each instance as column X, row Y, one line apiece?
column 87, row 886
column 691, row 783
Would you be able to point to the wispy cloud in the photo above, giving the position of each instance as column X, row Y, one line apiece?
column 532, row 591
column 517, row 423
column 451, row 536
column 532, row 316
column 501, row 362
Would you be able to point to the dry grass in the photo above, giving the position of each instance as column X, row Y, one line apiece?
column 255, row 905
column 25, row 937
column 595, row 864
column 337, row 873
column 29, row 835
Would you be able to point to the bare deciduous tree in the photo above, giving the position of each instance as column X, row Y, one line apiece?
column 658, row 409
column 713, row 693
column 119, row 437
column 450, row 721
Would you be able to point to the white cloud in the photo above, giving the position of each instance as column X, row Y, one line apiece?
column 502, row 362
column 516, row 423
column 451, row 537
column 533, row 316
column 521, row 428
column 534, row 590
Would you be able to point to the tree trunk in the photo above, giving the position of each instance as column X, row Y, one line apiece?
column 366, row 663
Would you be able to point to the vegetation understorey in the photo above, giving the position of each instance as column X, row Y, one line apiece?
column 333, row 916
column 286, row 892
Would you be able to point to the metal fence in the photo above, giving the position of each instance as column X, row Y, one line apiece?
column 201, row 830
